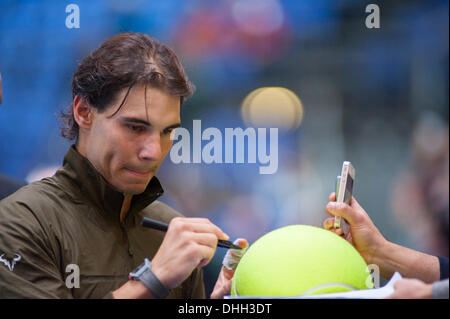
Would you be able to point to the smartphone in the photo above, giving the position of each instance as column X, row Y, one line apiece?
column 344, row 190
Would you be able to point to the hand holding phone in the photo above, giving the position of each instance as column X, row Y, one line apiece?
column 344, row 190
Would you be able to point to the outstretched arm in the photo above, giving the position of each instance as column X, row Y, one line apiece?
column 375, row 249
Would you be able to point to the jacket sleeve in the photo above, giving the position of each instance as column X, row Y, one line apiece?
column 443, row 267
column 28, row 258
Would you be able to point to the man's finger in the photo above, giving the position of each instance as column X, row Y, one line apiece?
column 343, row 210
column 199, row 225
column 206, row 239
column 337, row 231
column 242, row 242
column 207, row 252
column 332, row 197
column 328, row 223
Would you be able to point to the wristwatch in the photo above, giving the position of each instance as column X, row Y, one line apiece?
column 145, row 274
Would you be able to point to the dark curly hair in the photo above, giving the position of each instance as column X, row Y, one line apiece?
column 119, row 63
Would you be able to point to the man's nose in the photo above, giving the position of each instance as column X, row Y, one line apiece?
column 151, row 147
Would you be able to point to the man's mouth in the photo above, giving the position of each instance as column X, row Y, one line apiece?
column 140, row 174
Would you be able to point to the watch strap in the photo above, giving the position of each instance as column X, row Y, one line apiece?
column 149, row 279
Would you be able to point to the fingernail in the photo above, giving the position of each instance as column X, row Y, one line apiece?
column 241, row 242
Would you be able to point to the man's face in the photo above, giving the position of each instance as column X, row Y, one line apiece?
column 128, row 148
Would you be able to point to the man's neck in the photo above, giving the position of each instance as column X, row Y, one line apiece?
column 80, row 147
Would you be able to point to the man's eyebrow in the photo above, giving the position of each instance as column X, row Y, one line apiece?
column 173, row 126
column 135, row 120
column 139, row 121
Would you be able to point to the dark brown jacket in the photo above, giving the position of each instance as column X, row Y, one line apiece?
column 72, row 218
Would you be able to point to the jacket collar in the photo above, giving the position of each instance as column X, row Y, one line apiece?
column 96, row 189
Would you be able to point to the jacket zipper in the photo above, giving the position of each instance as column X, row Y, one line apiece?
column 125, row 234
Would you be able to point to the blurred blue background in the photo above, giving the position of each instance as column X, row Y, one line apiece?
column 375, row 97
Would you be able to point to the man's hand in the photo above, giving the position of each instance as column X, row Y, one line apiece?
column 223, row 283
column 375, row 249
column 189, row 243
column 230, row 262
column 363, row 234
column 411, row 289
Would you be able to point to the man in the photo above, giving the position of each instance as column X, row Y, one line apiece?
column 85, row 220
column 430, row 273
column 7, row 184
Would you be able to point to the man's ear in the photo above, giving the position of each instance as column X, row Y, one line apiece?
column 82, row 112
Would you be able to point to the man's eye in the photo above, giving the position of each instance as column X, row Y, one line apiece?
column 136, row 128
column 168, row 130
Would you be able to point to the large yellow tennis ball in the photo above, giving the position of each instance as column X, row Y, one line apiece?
column 300, row 259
